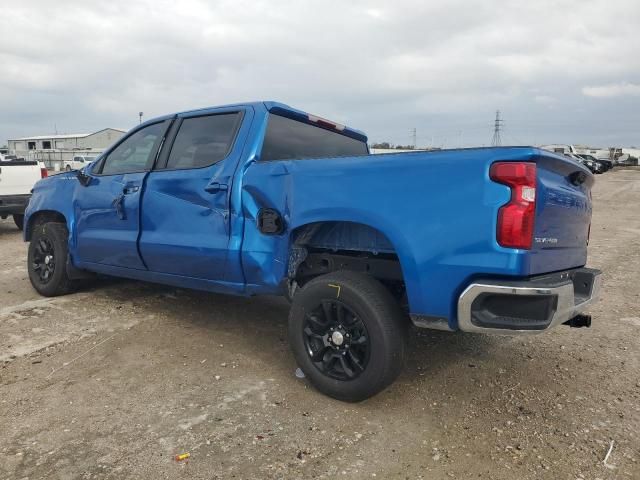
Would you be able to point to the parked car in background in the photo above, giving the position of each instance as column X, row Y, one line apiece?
column 626, row 160
column 593, row 166
column 78, row 162
column 7, row 158
column 570, row 151
column 261, row 198
column 604, row 164
column 17, row 178
column 560, row 148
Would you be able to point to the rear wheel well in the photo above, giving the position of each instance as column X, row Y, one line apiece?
column 41, row 217
column 325, row 247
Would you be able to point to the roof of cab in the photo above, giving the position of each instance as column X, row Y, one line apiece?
column 276, row 108
column 287, row 111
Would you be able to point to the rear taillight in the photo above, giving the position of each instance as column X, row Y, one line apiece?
column 516, row 218
column 43, row 173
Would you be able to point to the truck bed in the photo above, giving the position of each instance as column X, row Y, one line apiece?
column 17, row 177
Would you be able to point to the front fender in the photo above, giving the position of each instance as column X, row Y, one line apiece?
column 52, row 196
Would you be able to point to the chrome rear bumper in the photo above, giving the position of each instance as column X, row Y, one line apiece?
column 529, row 306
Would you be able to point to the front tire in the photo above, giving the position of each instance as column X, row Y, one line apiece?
column 348, row 335
column 47, row 258
column 18, row 219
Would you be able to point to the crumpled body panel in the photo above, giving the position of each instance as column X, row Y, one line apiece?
column 436, row 210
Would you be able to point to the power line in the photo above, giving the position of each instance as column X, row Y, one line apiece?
column 497, row 126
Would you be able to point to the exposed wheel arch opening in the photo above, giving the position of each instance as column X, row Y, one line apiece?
column 44, row 216
column 324, row 247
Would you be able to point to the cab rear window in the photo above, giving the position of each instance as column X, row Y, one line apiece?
column 288, row 139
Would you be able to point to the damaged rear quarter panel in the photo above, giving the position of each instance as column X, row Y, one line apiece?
column 307, row 191
column 410, row 198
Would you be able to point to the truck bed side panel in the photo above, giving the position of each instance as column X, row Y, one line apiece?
column 438, row 210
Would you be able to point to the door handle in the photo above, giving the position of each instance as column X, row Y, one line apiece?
column 118, row 204
column 129, row 189
column 216, row 187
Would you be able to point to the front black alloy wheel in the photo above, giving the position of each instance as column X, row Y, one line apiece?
column 18, row 219
column 337, row 340
column 47, row 259
column 347, row 333
column 44, row 260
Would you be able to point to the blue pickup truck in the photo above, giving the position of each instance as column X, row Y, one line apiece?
column 261, row 198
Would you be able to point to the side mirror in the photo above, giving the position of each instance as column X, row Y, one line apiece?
column 83, row 178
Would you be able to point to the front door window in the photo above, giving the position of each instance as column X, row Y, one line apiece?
column 135, row 153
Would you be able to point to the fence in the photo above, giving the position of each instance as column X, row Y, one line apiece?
column 54, row 159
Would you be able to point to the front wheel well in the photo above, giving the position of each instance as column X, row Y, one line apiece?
column 41, row 217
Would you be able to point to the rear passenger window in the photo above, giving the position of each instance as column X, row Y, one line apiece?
column 288, row 139
column 203, row 141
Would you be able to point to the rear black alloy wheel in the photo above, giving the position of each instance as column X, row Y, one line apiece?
column 336, row 340
column 347, row 333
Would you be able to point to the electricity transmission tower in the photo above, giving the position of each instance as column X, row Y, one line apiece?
column 414, row 133
column 497, row 126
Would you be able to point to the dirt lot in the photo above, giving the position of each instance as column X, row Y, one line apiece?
column 114, row 381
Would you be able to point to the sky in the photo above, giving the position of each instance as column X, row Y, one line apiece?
column 563, row 71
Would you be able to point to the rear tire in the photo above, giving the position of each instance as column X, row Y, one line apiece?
column 18, row 219
column 68, row 168
column 348, row 335
column 47, row 260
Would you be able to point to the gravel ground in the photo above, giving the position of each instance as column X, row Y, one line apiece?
column 115, row 380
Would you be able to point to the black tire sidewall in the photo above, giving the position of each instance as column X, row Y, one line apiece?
column 382, row 319
column 18, row 219
column 56, row 233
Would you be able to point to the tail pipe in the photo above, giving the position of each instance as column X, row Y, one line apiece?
column 579, row 321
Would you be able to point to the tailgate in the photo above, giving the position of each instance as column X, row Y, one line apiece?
column 563, row 214
column 18, row 177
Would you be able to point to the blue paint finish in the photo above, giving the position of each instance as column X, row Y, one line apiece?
column 563, row 215
column 106, row 232
column 53, row 194
column 440, row 241
column 185, row 227
column 437, row 211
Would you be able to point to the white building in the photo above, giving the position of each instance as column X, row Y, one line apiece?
column 55, row 149
column 95, row 141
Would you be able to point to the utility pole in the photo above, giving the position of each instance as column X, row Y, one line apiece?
column 414, row 134
column 140, row 115
column 497, row 126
